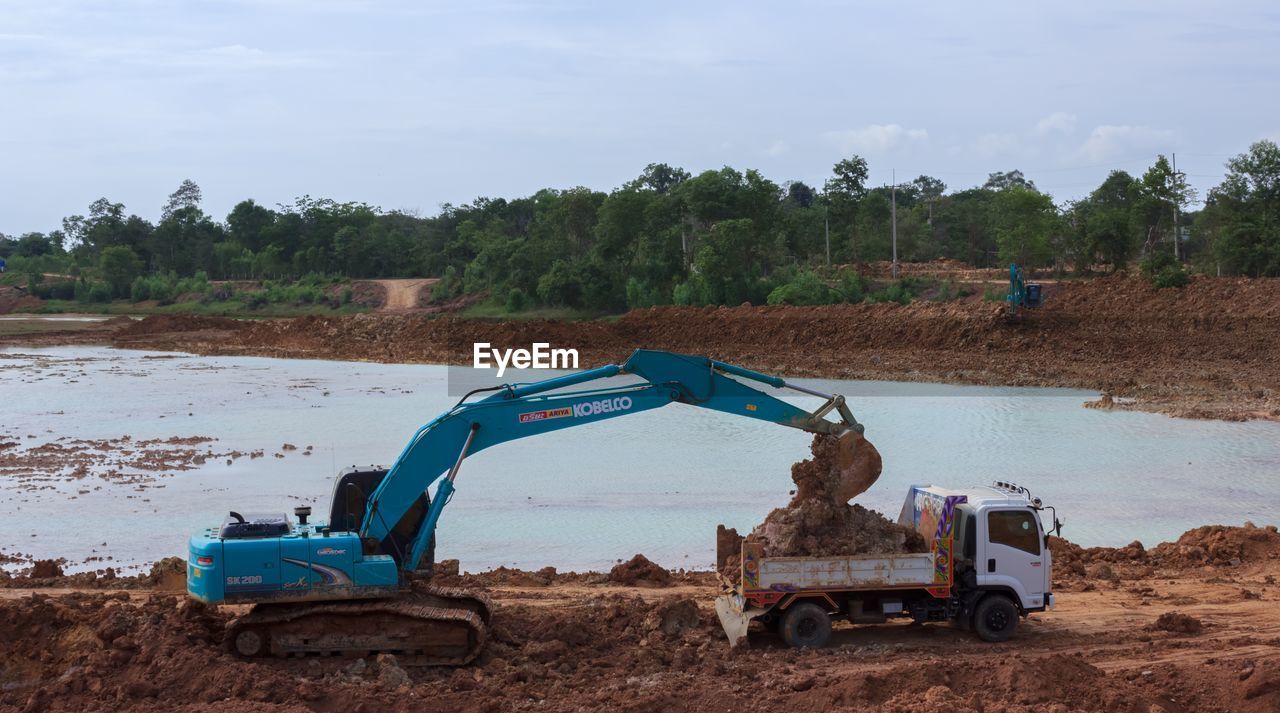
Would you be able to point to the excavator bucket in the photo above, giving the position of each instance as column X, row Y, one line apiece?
column 859, row 464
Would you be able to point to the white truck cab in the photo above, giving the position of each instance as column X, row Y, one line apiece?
column 999, row 534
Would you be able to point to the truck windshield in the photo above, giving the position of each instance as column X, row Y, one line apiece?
column 1015, row 528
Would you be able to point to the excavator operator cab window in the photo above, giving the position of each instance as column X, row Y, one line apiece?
column 1015, row 528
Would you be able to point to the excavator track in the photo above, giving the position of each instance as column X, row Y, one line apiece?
column 427, row 626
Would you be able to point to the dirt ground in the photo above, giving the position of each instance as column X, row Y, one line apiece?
column 1206, row 351
column 1187, row 626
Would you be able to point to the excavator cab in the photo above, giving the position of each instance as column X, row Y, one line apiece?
column 351, row 493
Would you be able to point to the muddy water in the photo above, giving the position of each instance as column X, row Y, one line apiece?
column 655, row 482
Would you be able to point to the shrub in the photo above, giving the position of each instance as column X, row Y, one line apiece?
column 100, row 292
column 517, row 300
column 140, row 290
column 806, row 288
column 902, row 292
column 1164, row 270
column 948, row 290
column 346, row 295
column 853, row 288
column 682, row 294
column 641, row 294
column 449, row 286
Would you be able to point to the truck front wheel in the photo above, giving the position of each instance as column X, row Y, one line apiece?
column 806, row 625
column 995, row 618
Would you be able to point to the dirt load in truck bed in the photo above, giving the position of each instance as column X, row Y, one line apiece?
column 819, row 521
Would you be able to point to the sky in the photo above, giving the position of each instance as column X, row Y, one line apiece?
column 409, row 105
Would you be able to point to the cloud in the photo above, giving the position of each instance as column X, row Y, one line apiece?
column 1057, row 121
column 995, row 144
column 1107, row 142
column 875, row 138
column 777, row 148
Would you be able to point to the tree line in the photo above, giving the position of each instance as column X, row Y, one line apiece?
column 719, row 237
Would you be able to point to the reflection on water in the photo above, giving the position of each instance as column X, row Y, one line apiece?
column 655, row 482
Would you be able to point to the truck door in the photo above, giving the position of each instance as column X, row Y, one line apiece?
column 1013, row 555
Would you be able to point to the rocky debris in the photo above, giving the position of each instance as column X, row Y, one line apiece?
column 44, row 569
column 673, row 617
column 122, row 460
column 1178, row 623
column 169, row 574
column 639, row 571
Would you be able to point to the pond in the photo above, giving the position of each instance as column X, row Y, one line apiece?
column 656, row 482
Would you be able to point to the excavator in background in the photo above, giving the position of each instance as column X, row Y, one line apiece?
column 360, row 582
column 1022, row 294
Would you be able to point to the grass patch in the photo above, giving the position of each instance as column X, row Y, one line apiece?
column 500, row 311
column 227, row 308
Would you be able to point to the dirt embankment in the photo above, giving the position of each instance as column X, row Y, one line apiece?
column 1206, row 351
column 1191, row 625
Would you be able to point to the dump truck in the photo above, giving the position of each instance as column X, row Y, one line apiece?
column 988, row 565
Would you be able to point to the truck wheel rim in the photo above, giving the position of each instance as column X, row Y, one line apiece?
column 997, row 620
column 248, row 643
column 807, row 628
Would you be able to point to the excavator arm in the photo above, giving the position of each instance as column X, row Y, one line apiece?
column 437, row 450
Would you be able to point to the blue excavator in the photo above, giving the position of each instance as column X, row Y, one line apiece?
column 360, row 582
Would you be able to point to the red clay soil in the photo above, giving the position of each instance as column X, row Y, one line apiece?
column 570, row 644
column 640, row 571
column 1205, row 351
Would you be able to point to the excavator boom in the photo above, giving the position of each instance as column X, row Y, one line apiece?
column 519, row 411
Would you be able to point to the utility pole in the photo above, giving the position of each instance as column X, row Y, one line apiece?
column 893, row 198
column 684, row 241
column 1177, row 198
column 826, row 227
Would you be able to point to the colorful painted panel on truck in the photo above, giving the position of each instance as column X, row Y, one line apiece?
column 932, row 513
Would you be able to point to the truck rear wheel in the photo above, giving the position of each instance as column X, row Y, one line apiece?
column 995, row 618
column 806, row 625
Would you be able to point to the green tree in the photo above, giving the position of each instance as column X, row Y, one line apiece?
column 842, row 194
column 1025, row 221
column 1004, row 180
column 1107, row 217
column 119, row 265
column 1242, row 214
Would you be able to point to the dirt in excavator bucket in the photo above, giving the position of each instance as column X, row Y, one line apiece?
column 819, row 521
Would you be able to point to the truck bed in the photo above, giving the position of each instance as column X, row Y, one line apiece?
column 847, row 573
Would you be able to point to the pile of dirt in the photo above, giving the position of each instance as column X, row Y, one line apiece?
column 1219, row 546
column 819, row 521
column 1178, row 623
column 171, row 323
column 13, row 299
column 1212, row 546
column 640, row 571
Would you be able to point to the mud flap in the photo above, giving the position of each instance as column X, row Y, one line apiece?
column 735, row 619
